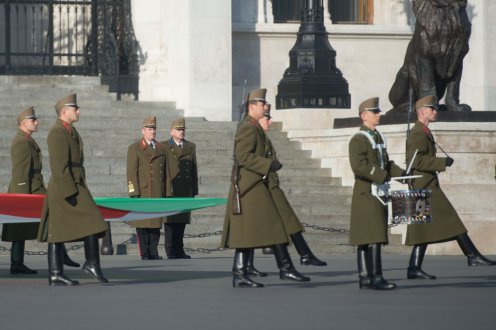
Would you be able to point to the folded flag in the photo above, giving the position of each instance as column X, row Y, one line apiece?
column 22, row 208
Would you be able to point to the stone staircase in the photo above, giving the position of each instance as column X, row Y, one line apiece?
column 108, row 127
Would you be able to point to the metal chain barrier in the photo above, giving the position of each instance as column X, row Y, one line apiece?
column 326, row 229
column 132, row 239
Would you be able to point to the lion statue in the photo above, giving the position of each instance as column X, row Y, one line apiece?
column 434, row 58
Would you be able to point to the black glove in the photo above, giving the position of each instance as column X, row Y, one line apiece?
column 387, row 179
column 275, row 166
column 449, row 161
column 72, row 200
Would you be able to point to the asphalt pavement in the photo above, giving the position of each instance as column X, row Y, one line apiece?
column 198, row 294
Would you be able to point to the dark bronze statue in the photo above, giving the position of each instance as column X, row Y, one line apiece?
column 434, row 58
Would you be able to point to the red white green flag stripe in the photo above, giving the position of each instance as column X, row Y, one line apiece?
column 22, row 208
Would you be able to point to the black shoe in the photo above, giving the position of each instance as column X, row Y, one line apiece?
column 173, row 256
column 479, row 260
column 94, row 271
column 379, row 283
column 155, row 258
column 18, row 269
column 418, row 274
column 293, row 275
column 364, row 282
column 311, row 260
column 243, row 281
column 60, row 279
column 145, row 258
column 184, row 256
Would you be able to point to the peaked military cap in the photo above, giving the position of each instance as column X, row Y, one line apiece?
column 68, row 101
column 179, row 123
column 26, row 114
column 257, row 95
column 429, row 101
column 150, row 122
column 371, row 104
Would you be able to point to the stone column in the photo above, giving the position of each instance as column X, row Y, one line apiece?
column 265, row 14
column 187, row 54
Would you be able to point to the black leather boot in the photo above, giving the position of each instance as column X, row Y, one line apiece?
column 240, row 277
column 474, row 257
column 169, row 238
column 306, row 255
column 17, row 265
column 415, row 266
column 363, row 267
column 67, row 260
column 250, row 268
column 92, row 255
column 56, row 266
column 154, row 236
column 179, row 241
column 377, row 282
column 143, row 243
column 286, row 268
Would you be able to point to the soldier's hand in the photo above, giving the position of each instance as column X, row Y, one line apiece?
column 387, row 178
column 275, row 166
column 449, row 161
column 72, row 200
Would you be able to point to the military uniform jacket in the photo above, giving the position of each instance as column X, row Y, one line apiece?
column 182, row 175
column 26, row 179
column 368, row 216
column 146, row 176
column 61, row 221
column 446, row 224
column 290, row 220
column 259, row 224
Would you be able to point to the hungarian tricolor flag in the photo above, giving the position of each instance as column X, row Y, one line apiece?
column 21, row 208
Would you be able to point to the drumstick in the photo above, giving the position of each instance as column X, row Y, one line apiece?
column 411, row 162
column 398, row 178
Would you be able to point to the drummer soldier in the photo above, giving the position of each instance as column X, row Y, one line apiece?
column 446, row 225
column 370, row 163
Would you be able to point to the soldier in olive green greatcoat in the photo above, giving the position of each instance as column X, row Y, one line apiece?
column 446, row 225
column 182, row 181
column 371, row 165
column 26, row 179
column 259, row 223
column 69, row 212
column 146, row 179
column 291, row 222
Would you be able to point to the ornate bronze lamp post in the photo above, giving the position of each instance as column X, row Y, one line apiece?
column 312, row 79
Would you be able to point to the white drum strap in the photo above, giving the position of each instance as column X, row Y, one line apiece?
column 379, row 147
